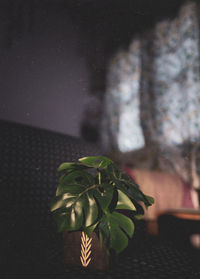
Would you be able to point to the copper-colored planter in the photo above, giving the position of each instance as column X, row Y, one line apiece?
column 88, row 255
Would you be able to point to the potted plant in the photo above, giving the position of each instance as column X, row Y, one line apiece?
column 88, row 209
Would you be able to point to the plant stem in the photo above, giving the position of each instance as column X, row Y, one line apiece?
column 99, row 176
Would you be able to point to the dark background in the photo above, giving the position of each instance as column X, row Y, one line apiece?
column 54, row 55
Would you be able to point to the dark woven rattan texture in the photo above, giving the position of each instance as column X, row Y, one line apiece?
column 29, row 159
column 30, row 246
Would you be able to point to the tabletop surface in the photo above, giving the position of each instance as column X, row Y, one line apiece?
column 185, row 213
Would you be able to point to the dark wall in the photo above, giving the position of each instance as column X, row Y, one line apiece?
column 54, row 55
column 44, row 78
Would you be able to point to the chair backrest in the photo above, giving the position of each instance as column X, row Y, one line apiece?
column 29, row 158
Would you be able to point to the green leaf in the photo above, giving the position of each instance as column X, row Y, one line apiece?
column 124, row 202
column 62, row 221
column 78, row 177
column 139, row 209
column 131, row 191
column 109, row 174
column 71, row 167
column 114, row 201
column 100, row 238
column 79, row 206
column 103, row 227
column 72, row 189
column 118, row 240
column 126, row 185
column 124, row 222
column 89, row 230
column 59, row 201
column 138, row 216
column 150, row 199
column 76, row 217
column 75, row 178
column 97, row 162
column 90, row 209
column 68, row 219
column 125, row 177
column 117, row 227
column 105, row 196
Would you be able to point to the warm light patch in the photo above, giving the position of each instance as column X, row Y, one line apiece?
column 85, row 249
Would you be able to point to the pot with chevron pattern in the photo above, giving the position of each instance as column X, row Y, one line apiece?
column 88, row 209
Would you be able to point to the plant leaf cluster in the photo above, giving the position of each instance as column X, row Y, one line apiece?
column 91, row 196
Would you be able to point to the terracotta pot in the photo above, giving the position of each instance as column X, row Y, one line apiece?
column 94, row 256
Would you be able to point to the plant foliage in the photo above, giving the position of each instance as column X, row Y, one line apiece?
column 90, row 197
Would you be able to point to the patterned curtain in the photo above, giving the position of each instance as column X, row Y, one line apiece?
column 122, row 104
column 153, row 89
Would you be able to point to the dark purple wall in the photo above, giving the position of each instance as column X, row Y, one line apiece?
column 44, row 79
column 54, row 52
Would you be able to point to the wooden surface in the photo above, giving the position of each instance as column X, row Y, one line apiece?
column 183, row 213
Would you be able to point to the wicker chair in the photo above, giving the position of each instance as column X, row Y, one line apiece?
column 30, row 246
